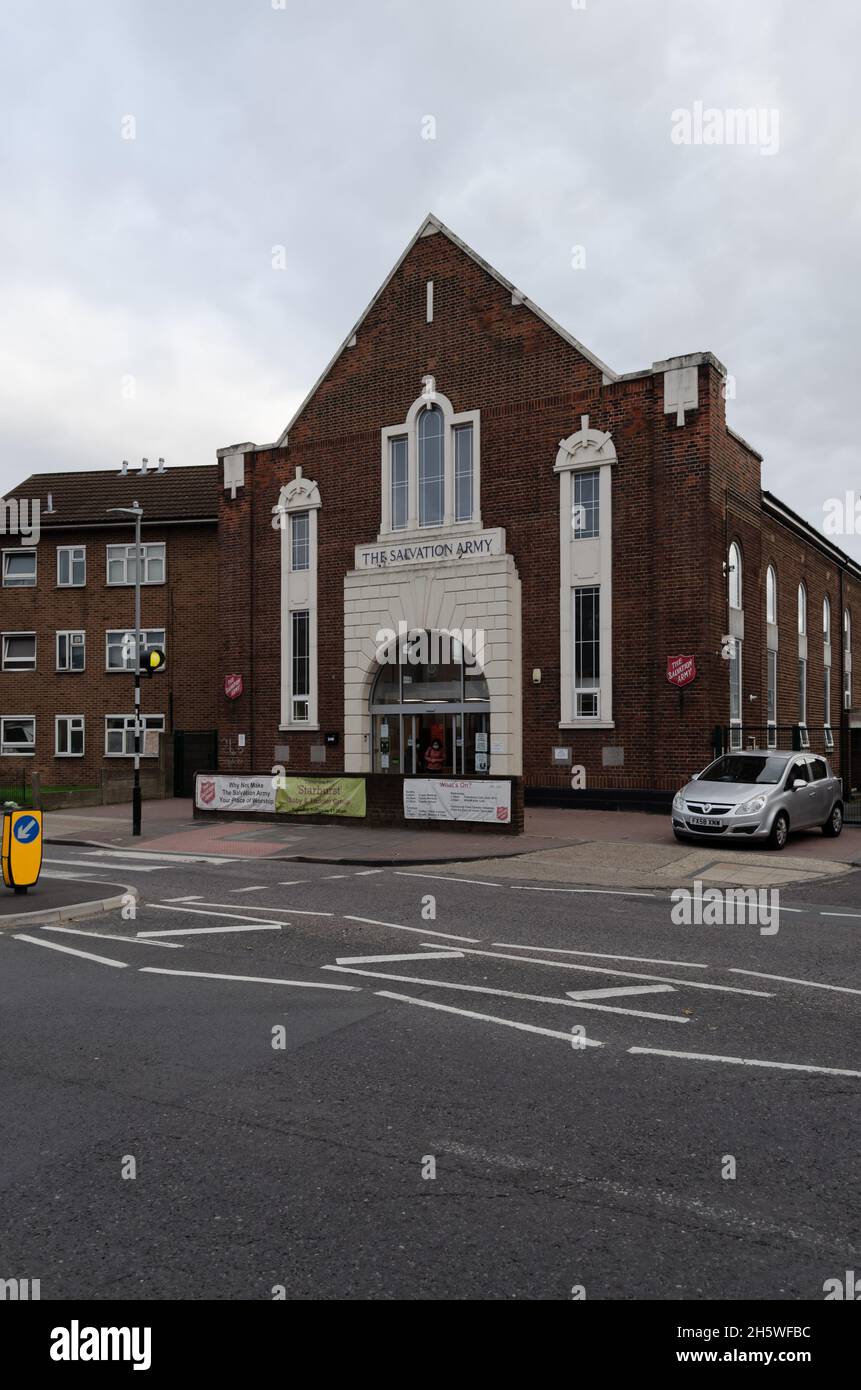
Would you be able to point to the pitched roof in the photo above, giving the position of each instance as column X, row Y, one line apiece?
column 430, row 227
column 83, row 498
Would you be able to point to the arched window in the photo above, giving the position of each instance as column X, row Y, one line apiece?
column 430, row 706
column 802, row 610
column 826, row 619
column 770, row 595
column 734, row 577
column 431, row 467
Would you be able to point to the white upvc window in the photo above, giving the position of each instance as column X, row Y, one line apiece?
column 19, row 651
column 586, row 507
column 431, row 467
column 71, row 566
column 120, row 734
column 771, row 698
column 771, row 595
column 120, row 646
column 121, row 563
column 68, row 736
column 300, row 541
column 847, row 659
column 17, row 735
column 71, row 651
column 587, row 651
column 300, row 653
column 735, row 693
column 19, row 569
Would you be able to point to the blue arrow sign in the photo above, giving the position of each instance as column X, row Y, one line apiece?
column 26, row 829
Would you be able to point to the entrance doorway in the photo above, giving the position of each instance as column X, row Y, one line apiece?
column 430, row 718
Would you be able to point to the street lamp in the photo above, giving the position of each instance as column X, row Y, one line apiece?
column 136, row 511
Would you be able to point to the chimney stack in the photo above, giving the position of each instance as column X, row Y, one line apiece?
column 160, row 468
column 50, row 502
column 144, row 467
column 125, row 468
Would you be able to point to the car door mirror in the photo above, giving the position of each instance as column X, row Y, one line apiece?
column 796, row 783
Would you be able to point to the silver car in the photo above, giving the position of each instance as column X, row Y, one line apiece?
column 759, row 796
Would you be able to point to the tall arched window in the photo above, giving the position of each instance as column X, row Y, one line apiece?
column 826, row 669
column 431, row 467
column 847, row 659
column 771, row 655
column 734, row 577
column 734, row 593
column 802, row 663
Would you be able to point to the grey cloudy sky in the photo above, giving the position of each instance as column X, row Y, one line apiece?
column 301, row 126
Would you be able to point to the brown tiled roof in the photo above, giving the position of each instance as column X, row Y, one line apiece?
column 82, row 498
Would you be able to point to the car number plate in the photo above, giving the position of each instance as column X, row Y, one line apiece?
column 705, row 820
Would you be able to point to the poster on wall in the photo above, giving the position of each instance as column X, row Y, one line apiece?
column 216, row 792
column 320, row 796
column 457, row 799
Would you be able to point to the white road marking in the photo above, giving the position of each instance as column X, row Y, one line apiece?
column 211, row 931
column 337, row 875
column 488, row 1018
column 69, row 951
column 294, row 911
column 600, row 955
column 630, row 974
column 610, row 892
column 613, row 991
column 108, row 936
column 189, row 898
column 246, row 979
column 741, row 1061
column 396, row 926
column 447, row 878
column 255, row 888
column 203, row 911
column 508, row 994
column 411, row 955
column 290, row 882
column 788, row 980
column 831, row 914
column 365, row 873
column 82, row 864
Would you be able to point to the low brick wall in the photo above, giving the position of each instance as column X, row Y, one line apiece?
column 385, row 807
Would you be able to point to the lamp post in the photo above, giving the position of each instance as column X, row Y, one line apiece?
column 136, row 511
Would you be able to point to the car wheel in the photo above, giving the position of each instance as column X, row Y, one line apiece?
column 779, row 831
column 834, row 823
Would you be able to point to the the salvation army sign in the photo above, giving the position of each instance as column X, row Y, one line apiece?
column 233, row 686
column 681, row 670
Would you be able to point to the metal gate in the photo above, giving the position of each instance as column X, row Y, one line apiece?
column 192, row 752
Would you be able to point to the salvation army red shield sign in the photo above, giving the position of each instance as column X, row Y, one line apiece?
column 206, row 791
column 681, row 670
column 233, row 686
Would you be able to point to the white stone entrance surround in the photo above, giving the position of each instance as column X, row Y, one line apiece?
column 482, row 592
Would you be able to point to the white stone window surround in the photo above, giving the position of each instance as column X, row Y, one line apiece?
column 298, row 592
column 584, row 562
column 409, row 429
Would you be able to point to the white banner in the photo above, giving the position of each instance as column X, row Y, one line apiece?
column 453, row 798
column 240, row 793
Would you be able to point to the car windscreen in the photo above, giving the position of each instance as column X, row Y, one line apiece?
column 747, row 769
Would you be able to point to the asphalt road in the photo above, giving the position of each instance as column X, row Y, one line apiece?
column 306, row 1166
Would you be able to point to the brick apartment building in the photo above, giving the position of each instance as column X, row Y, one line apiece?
column 464, row 463
column 67, row 603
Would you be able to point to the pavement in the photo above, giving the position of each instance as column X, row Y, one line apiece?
column 320, row 1082
column 59, row 899
column 598, row 848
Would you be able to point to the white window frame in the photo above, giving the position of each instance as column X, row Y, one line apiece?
column 585, row 692
column 72, row 551
column 771, row 661
column 18, row 670
column 294, row 517
column 129, row 555
column 847, row 659
column 298, row 698
column 21, row 550
column 16, row 750
column 298, row 594
column 735, row 577
column 149, row 638
column 771, row 595
column 69, row 720
column 585, row 562
column 408, row 428
column 736, row 670
column 69, row 633
column 148, row 721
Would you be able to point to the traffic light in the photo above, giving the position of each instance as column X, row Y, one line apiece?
column 152, row 660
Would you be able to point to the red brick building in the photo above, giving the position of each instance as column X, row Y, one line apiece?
column 67, row 604
column 463, row 464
